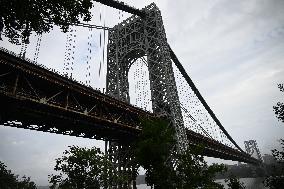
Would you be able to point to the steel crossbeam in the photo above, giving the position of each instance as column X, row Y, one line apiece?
column 122, row 6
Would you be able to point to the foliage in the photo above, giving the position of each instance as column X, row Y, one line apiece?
column 276, row 180
column 152, row 151
column 155, row 141
column 81, row 168
column 279, row 108
column 234, row 183
column 9, row 180
column 193, row 172
column 279, row 155
column 18, row 18
column 166, row 169
column 155, row 150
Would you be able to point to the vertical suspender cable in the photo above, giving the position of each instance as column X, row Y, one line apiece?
column 100, row 44
column 38, row 43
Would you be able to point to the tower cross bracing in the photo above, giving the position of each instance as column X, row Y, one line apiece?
column 132, row 39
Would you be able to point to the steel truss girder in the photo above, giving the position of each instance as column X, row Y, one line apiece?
column 122, row 6
column 60, row 105
column 213, row 148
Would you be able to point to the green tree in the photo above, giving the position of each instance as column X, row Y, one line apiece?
column 8, row 180
column 234, row 183
column 18, row 18
column 81, row 168
column 155, row 152
column 193, row 172
column 279, row 108
column 276, row 180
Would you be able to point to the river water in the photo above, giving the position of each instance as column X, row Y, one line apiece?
column 250, row 183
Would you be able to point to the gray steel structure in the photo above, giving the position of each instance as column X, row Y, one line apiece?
column 132, row 39
column 251, row 147
column 96, row 115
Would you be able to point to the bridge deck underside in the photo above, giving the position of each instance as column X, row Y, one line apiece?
column 45, row 101
column 213, row 148
column 52, row 103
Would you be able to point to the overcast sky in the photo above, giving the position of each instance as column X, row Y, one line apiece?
column 232, row 50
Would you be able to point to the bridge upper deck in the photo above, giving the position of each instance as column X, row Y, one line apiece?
column 59, row 104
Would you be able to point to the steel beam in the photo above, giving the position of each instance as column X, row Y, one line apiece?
column 122, row 6
column 85, row 25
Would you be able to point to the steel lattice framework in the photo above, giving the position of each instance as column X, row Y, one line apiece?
column 132, row 39
column 251, row 148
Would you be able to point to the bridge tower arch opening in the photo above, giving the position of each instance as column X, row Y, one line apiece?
column 139, row 84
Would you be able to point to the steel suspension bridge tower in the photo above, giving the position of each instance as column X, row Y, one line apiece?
column 132, row 39
column 42, row 99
